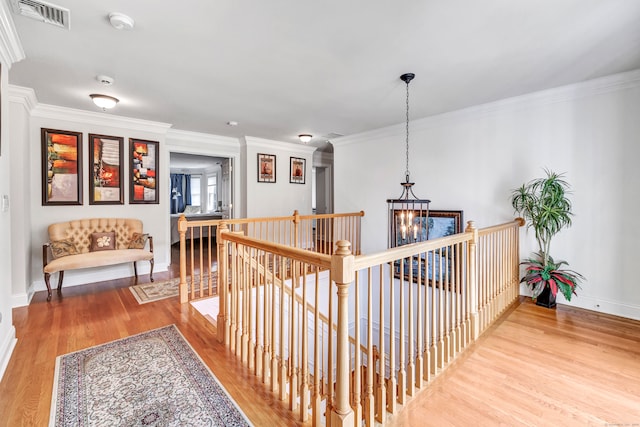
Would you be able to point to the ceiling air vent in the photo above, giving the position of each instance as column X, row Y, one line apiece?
column 42, row 11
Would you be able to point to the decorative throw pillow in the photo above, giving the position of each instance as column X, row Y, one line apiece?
column 62, row 248
column 138, row 241
column 103, row 241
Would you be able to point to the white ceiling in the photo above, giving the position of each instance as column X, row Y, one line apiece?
column 284, row 67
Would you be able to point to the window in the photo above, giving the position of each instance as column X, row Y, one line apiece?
column 212, row 193
column 195, row 190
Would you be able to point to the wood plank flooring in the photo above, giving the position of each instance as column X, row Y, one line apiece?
column 539, row 367
column 535, row 367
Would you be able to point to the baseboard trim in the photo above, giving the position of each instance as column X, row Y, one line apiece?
column 6, row 350
column 84, row 277
column 614, row 308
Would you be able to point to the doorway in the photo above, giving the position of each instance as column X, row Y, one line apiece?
column 205, row 191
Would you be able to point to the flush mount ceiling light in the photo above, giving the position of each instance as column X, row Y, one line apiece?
column 305, row 138
column 104, row 101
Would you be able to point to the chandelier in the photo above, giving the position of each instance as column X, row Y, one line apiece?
column 408, row 216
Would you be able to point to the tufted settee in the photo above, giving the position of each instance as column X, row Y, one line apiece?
column 78, row 238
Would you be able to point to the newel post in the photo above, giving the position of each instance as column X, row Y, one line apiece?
column 343, row 273
column 182, row 230
column 222, row 283
column 473, row 280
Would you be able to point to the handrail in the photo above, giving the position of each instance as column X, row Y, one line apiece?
column 407, row 251
column 321, row 260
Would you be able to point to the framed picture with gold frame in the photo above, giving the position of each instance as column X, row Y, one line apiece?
column 106, row 170
column 61, row 167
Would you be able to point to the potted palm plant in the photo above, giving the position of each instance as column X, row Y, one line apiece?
column 544, row 205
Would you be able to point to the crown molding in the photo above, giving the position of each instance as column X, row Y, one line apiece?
column 24, row 96
column 47, row 111
column 201, row 143
column 10, row 46
column 270, row 144
column 598, row 86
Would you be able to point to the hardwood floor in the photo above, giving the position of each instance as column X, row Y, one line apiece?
column 534, row 367
column 539, row 367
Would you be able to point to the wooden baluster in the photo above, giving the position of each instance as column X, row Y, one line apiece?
column 411, row 370
column 254, row 310
column 304, row 376
column 444, row 265
column 342, row 270
column 457, row 289
column 357, row 374
column 234, row 297
column 437, row 265
column 317, row 398
column 202, row 269
column 274, row 312
column 433, row 353
column 293, row 335
column 381, row 396
column 282, row 362
column 330, row 358
column 391, row 384
column 369, row 399
column 402, row 374
column 262, row 360
column 242, row 298
column 419, row 323
column 192, row 259
column 426, row 309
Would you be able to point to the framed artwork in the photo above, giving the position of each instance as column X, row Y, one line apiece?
column 61, row 167
column 297, row 170
column 444, row 223
column 266, row 168
column 106, row 170
column 143, row 186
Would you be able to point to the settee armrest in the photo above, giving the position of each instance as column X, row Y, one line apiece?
column 45, row 255
column 150, row 243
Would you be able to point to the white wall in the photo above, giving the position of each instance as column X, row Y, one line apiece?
column 21, row 153
column 282, row 197
column 10, row 53
column 152, row 215
column 472, row 159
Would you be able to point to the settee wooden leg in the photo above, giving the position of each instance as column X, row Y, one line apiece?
column 47, row 276
column 151, row 271
column 135, row 270
column 60, row 277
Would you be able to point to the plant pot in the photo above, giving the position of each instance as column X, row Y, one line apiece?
column 546, row 298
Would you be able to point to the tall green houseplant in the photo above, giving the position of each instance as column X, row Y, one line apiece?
column 544, row 205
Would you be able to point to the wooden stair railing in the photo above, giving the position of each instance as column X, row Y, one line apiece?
column 345, row 338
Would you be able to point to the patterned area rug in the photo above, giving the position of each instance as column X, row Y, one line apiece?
column 151, row 379
column 149, row 292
